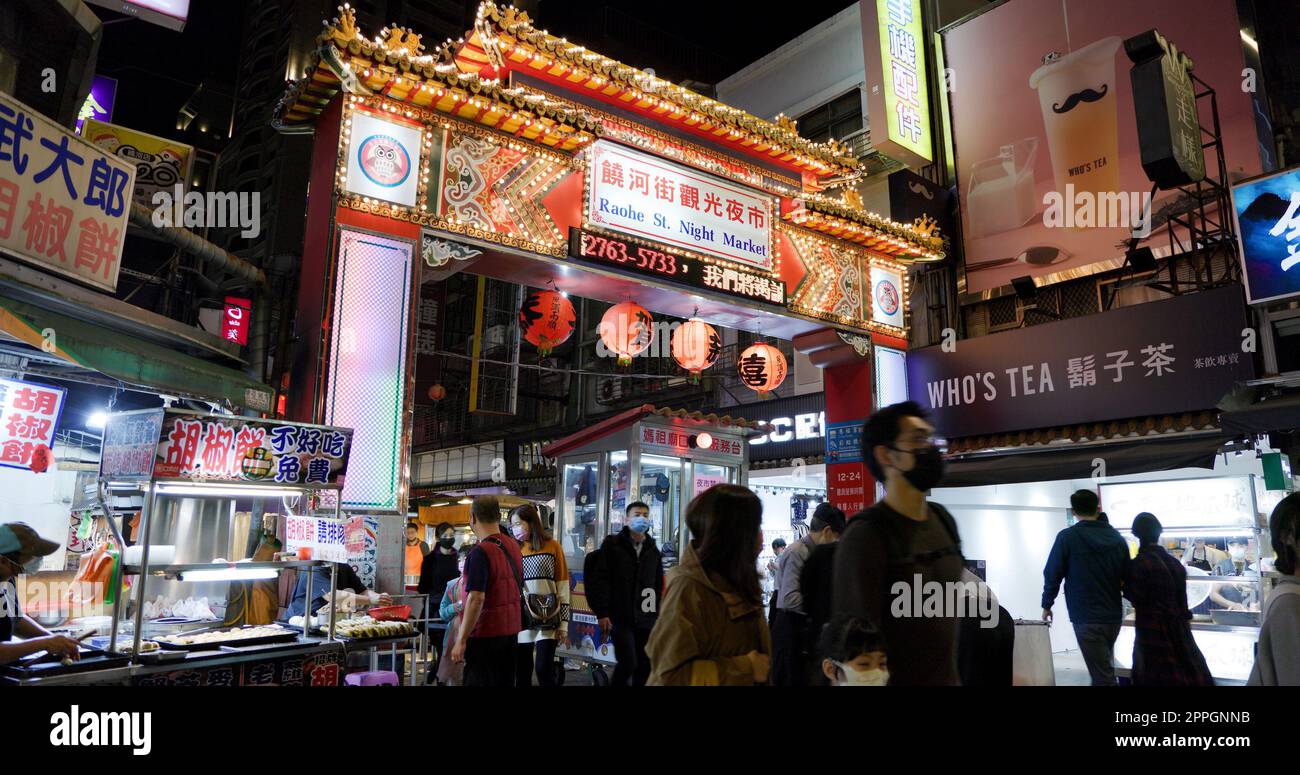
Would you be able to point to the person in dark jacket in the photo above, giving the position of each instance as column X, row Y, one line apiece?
column 1164, row 653
column 439, row 565
column 903, row 539
column 1091, row 558
column 624, row 592
column 817, row 583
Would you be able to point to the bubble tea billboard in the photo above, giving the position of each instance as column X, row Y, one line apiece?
column 1048, row 160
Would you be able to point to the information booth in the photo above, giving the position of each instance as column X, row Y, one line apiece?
column 661, row 457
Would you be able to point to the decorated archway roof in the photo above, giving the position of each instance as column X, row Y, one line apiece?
column 468, row 80
column 504, row 39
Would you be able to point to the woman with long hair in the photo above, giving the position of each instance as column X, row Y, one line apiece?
column 546, row 598
column 1277, row 658
column 711, row 631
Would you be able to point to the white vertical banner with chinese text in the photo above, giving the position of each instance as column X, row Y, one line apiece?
column 29, row 417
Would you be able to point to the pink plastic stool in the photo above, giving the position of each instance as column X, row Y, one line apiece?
column 376, row 678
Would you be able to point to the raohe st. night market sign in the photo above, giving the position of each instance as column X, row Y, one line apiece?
column 651, row 198
column 63, row 202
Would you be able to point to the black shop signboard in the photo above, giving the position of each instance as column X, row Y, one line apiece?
column 1165, row 357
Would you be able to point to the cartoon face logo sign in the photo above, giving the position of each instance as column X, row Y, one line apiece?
column 887, row 297
column 384, row 161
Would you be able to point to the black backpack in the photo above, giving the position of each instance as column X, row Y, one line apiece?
column 899, row 554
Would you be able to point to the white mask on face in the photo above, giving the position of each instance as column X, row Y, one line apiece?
column 854, row 677
column 1237, row 553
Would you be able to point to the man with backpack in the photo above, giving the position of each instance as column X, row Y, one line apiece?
column 491, row 621
column 898, row 543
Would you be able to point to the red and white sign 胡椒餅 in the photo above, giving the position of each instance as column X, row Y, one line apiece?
column 654, row 199
column 29, row 417
column 675, row 442
column 234, row 321
column 63, row 202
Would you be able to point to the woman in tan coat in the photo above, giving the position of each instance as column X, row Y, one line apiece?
column 711, row 630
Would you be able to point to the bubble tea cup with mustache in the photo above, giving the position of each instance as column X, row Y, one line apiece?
column 1077, row 94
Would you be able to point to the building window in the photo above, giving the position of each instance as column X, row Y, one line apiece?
column 834, row 120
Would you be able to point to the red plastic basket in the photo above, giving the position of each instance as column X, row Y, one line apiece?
column 391, row 613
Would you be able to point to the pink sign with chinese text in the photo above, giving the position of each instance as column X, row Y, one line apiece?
column 234, row 321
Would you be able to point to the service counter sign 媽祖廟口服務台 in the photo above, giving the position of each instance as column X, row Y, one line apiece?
column 239, row 450
column 670, row 204
column 1163, row 357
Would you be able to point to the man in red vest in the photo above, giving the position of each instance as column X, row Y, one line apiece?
column 491, row 623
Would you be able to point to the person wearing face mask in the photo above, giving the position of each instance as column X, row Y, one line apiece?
column 790, row 629
column 439, row 565
column 546, row 598
column 20, row 546
column 853, row 653
column 624, row 592
column 1091, row 557
column 1277, row 657
column 902, row 539
column 1235, row 597
column 451, row 673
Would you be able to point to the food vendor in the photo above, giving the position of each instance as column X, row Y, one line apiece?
column 1236, row 597
column 20, row 546
column 353, row 593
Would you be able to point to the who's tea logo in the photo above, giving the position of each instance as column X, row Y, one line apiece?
column 384, row 161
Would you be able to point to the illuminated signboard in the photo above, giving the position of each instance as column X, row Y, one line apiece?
column 160, row 164
column 99, row 102
column 1267, row 210
column 897, row 88
column 887, row 297
column 29, row 417
column 665, row 265
column 63, row 202
column 650, row 198
column 809, row 425
column 383, row 159
column 234, row 322
column 674, row 442
column 165, row 13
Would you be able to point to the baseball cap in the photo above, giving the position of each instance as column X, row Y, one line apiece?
column 19, row 538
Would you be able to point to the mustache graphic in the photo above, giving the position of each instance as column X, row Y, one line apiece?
column 1087, row 95
column 917, row 188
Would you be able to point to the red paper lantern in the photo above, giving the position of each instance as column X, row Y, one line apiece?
column 696, row 346
column 437, row 392
column 626, row 329
column 762, row 368
column 41, row 457
column 547, row 319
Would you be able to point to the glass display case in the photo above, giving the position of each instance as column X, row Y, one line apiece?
column 1214, row 525
column 662, row 458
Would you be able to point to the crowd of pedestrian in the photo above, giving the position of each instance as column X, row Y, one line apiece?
column 834, row 616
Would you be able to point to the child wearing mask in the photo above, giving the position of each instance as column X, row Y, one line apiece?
column 452, row 607
column 853, row 653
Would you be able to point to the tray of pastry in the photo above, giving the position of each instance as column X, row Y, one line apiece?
column 213, row 639
column 362, row 628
